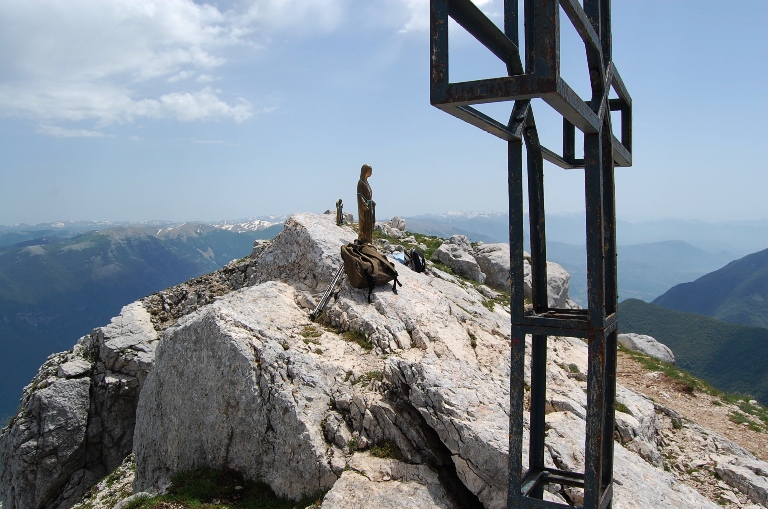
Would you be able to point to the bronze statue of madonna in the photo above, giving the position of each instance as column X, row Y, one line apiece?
column 366, row 207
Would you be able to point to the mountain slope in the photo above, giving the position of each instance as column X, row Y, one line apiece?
column 736, row 293
column 730, row 357
column 53, row 290
column 645, row 270
column 248, row 382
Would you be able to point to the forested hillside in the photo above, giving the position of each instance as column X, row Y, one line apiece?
column 736, row 293
column 731, row 357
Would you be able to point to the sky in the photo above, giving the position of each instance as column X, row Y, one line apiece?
column 134, row 110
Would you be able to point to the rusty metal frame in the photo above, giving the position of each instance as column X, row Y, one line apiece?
column 539, row 77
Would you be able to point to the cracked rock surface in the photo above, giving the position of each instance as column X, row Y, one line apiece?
column 402, row 402
column 76, row 418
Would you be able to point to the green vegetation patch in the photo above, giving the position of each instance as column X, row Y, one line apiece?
column 205, row 488
column 310, row 332
column 359, row 338
column 685, row 381
column 386, row 449
column 430, row 241
column 741, row 419
column 369, row 377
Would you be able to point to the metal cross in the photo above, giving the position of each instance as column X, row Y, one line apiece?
column 539, row 77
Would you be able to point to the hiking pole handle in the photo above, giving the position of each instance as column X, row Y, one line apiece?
column 327, row 294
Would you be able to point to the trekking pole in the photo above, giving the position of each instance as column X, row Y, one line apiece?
column 327, row 295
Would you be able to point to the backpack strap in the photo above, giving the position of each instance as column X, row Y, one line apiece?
column 395, row 284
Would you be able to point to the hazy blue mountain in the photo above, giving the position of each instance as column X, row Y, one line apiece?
column 737, row 237
column 10, row 235
column 736, row 293
column 428, row 226
column 16, row 234
column 645, row 270
column 730, row 357
column 54, row 290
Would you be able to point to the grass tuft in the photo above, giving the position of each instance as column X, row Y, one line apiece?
column 386, row 449
column 205, row 488
column 359, row 338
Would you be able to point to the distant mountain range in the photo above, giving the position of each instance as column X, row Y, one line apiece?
column 736, row 293
column 653, row 256
column 10, row 235
column 57, row 286
column 737, row 237
column 730, row 357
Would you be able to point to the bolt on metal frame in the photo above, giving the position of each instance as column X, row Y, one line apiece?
column 539, row 77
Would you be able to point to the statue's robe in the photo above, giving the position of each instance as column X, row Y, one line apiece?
column 366, row 211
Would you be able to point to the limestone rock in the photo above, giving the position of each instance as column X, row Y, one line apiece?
column 225, row 392
column 77, row 416
column 456, row 253
column 389, row 230
column 647, row 345
column 45, row 447
column 748, row 476
column 397, row 223
column 385, row 484
column 557, row 286
column 307, row 252
column 243, row 379
column 494, row 261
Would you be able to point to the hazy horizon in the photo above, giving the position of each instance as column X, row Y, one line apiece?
column 465, row 213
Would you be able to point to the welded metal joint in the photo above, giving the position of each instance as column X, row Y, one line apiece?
column 536, row 74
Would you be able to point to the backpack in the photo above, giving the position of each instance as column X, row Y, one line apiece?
column 366, row 267
column 416, row 260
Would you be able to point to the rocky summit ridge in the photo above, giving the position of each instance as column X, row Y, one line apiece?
column 227, row 371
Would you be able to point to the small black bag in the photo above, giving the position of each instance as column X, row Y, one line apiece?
column 366, row 267
column 416, row 260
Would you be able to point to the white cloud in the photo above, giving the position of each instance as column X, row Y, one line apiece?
column 114, row 61
column 60, row 132
column 310, row 16
column 205, row 78
column 201, row 105
column 108, row 61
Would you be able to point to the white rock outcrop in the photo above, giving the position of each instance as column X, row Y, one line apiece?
column 248, row 382
column 494, row 262
column 647, row 345
column 456, row 253
column 77, row 416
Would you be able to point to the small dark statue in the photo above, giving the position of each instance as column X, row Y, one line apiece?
column 339, row 213
column 366, row 207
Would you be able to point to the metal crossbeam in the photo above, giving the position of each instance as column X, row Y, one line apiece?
column 536, row 74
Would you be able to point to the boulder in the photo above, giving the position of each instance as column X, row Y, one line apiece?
column 397, row 223
column 456, row 253
column 647, row 345
column 749, row 476
column 389, row 230
column 494, row 262
column 227, row 393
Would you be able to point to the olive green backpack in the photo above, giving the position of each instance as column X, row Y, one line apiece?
column 367, row 268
